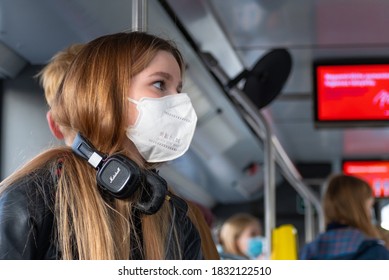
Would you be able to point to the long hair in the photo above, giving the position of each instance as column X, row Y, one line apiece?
column 52, row 74
column 93, row 100
column 231, row 230
column 344, row 202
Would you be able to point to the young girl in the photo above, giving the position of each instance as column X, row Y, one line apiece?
column 121, row 98
column 241, row 237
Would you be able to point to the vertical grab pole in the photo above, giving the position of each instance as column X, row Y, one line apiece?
column 309, row 230
column 269, row 186
column 274, row 155
column 139, row 15
column 269, row 160
column 269, row 166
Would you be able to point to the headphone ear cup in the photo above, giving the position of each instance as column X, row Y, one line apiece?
column 119, row 175
column 153, row 195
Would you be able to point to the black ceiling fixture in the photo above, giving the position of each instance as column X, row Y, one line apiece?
column 266, row 79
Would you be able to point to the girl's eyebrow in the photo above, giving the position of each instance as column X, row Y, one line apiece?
column 168, row 77
column 165, row 75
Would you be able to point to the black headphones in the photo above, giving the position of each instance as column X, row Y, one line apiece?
column 121, row 177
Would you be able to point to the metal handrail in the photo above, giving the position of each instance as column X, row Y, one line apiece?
column 139, row 15
column 273, row 153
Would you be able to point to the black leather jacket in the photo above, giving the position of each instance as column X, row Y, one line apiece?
column 27, row 229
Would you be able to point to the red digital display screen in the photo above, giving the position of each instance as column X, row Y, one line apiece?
column 376, row 173
column 350, row 93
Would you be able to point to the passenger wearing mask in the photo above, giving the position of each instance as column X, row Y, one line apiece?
column 241, row 237
column 51, row 77
column 350, row 233
column 121, row 113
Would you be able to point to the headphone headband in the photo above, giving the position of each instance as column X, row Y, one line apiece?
column 84, row 149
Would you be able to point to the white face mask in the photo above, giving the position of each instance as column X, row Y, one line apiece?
column 164, row 127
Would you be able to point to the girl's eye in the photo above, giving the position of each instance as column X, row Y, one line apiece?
column 159, row 85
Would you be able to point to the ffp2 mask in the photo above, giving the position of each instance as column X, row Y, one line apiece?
column 164, row 128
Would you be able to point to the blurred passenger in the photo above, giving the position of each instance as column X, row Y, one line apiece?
column 241, row 237
column 384, row 233
column 350, row 233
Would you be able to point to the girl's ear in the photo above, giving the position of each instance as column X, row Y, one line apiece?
column 54, row 128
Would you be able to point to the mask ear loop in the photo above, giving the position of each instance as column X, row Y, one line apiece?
column 136, row 102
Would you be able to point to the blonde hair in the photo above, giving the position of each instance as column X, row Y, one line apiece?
column 344, row 202
column 50, row 77
column 231, row 230
column 92, row 100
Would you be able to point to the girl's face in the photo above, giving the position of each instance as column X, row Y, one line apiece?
column 250, row 231
column 160, row 78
